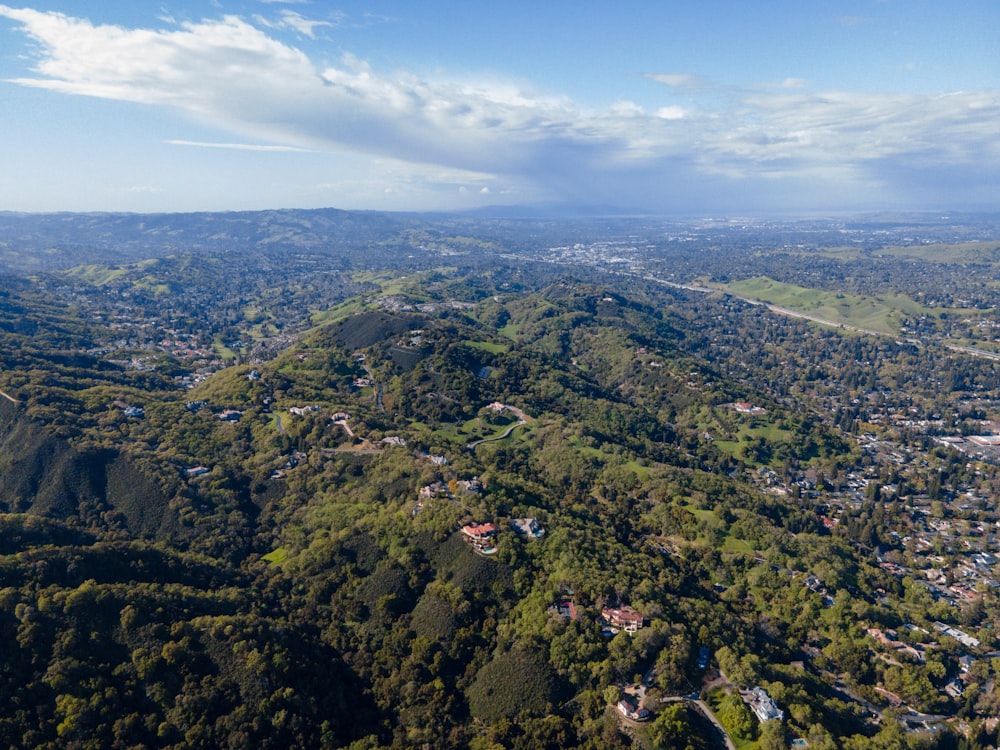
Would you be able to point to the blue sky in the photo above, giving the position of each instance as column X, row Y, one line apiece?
column 675, row 107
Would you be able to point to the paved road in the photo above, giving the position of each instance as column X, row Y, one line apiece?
column 705, row 710
column 9, row 397
column 505, row 434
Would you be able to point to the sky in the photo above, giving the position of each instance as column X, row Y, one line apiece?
column 722, row 107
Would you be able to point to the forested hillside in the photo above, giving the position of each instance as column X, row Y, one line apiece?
column 474, row 504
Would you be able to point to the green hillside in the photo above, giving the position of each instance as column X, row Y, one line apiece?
column 272, row 555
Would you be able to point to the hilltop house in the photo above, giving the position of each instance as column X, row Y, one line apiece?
column 565, row 609
column 482, row 537
column 528, row 527
column 623, row 618
column 433, row 490
column 628, row 706
column 762, row 705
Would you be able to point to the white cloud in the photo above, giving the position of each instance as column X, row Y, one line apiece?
column 289, row 19
column 238, row 146
column 304, row 26
column 670, row 113
column 678, row 80
column 232, row 75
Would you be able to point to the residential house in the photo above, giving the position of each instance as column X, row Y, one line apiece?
column 964, row 638
column 482, row 537
column 624, row 618
column 433, row 490
column 629, row 707
column 762, row 705
column 565, row 609
column 528, row 527
column 955, row 688
column 473, row 486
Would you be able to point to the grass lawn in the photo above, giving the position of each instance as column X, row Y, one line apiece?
column 340, row 312
column 222, row 351
column 489, row 346
column 965, row 252
column 703, row 514
column 96, row 274
column 510, row 331
column 737, row 546
column 750, row 431
column 276, row 556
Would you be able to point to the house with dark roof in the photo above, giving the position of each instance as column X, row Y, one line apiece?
column 528, row 527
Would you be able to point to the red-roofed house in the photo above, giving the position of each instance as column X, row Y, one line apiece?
column 481, row 536
column 624, row 618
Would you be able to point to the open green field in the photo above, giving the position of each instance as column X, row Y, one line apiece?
column 879, row 314
column 488, row 346
column 747, row 432
column 965, row 252
column 222, row 351
column 510, row 331
column 153, row 284
column 276, row 556
column 342, row 311
column 96, row 274
column 382, row 278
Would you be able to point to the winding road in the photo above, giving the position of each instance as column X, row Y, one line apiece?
column 503, row 435
column 522, row 418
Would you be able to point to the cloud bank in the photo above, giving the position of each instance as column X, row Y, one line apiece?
column 706, row 142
